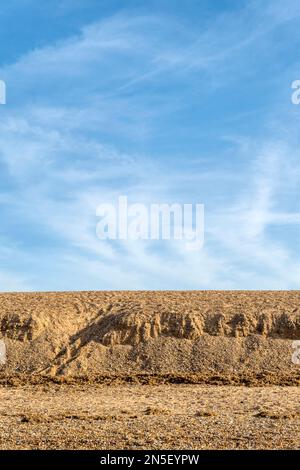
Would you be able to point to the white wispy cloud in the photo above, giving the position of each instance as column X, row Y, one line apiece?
column 83, row 106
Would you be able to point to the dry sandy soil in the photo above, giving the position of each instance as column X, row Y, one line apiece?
column 149, row 417
column 129, row 370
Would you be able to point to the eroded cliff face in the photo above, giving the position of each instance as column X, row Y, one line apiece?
column 96, row 333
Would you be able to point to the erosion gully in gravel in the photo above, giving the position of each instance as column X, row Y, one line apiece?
column 130, row 370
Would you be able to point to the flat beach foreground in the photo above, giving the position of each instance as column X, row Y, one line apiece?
column 150, row 370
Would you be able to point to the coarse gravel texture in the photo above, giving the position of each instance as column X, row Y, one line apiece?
column 150, row 370
column 149, row 417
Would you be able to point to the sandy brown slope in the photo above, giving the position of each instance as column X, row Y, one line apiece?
column 199, row 334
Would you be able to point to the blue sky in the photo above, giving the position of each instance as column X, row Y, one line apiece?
column 162, row 101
